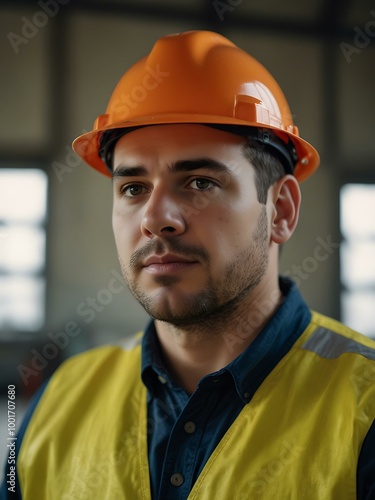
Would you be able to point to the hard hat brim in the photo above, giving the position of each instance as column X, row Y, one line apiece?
column 87, row 145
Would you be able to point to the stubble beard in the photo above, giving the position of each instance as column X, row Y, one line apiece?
column 219, row 299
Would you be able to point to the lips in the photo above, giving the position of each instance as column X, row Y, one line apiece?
column 167, row 263
column 165, row 259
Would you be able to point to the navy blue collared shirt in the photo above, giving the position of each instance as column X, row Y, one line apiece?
column 183, row 429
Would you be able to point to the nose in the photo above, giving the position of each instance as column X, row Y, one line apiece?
column 163, row 215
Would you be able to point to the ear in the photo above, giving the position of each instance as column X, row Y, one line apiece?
column 285, row 196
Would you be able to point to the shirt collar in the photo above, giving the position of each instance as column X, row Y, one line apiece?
column 154, row 369
column 255, row 362
column 277, row 337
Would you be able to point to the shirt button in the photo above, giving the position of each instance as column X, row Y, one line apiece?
column 162, row 379
column 246, row 395
column 177, row 479
column 190, row 427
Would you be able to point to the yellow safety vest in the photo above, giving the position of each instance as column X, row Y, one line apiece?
column 298, row 438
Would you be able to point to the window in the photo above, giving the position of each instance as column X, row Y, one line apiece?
column 23, row 206
column 358, row 257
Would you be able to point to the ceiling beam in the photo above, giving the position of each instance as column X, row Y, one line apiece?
column 326, row 27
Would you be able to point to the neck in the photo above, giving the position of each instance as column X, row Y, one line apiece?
column 196, row 350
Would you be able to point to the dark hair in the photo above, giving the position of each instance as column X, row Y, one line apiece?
column 271, row 156
column 268, row 167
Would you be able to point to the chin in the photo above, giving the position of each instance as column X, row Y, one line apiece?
column 186, row 310
column 175, row 306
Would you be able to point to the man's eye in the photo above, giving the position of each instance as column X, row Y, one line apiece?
column 201, row 183
column 133, row 190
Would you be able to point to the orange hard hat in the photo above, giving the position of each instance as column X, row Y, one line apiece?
column 198, row 77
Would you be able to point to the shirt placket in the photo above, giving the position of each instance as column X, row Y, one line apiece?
column 180, row 457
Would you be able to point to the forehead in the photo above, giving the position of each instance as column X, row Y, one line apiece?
column 174, row 142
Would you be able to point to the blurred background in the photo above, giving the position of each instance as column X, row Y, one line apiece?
column 60, row 287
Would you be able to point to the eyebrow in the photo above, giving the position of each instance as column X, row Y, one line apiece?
column 123, row 171
column 176, row 167
column 206, row 163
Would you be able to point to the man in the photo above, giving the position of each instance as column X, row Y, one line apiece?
column 236, row 390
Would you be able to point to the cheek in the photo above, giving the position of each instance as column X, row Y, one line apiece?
column 116, row 224
column 234, row 228
column 223, row 229
column 125, row 230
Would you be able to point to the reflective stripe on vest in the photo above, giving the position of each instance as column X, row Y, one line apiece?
column 331, row 345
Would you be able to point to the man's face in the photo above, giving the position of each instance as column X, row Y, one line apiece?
column 191, row 236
